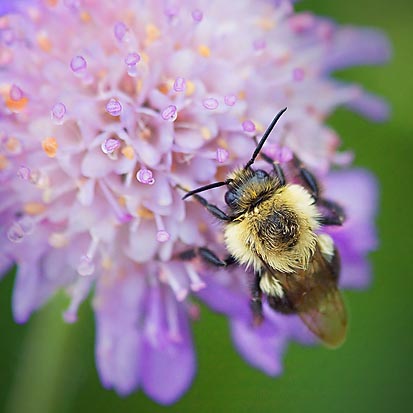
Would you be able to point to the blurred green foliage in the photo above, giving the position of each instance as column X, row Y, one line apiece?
column 48, row 366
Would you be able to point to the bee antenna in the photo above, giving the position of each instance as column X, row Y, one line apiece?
column 206, row 187
column 264, row 138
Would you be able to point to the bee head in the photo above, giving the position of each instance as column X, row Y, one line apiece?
column 239, row 178
column 245, row 186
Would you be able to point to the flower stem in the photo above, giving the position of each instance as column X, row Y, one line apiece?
column 38, row 385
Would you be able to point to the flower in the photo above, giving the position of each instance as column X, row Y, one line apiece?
column 107, row 108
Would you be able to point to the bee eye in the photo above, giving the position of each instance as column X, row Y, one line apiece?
column 260, row 174
column 230, row 198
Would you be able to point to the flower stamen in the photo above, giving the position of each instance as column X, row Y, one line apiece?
column 165, row 275
column 162, row 235
column 78, row 64
column 179, row 84
column 145, row 176
column 58, row 112
column 110, row 145
column 121, row 215
column 86, row 266
column 196, row 283
column 172, row 319
column 132, row 60
column 114, row 107
column 248, row 126
column 170, row 113
column 210, row 103
column 222, row 155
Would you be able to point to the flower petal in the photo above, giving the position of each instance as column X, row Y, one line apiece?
column 118, row 306
column 357, row 191
column 370, row 106
column 166, row 385
column 262, row 347
column 354, row 46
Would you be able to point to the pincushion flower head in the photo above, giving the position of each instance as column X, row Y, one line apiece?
column 108, row 108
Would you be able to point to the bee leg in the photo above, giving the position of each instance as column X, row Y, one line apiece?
column 335, row 265
column 279, row 173
column 208, row 256
column 308, row 178
column 214, row 210
column 256, row 300
column 281, row 304
column 333, row 213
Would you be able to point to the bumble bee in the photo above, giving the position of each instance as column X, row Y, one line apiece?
column 272, row 226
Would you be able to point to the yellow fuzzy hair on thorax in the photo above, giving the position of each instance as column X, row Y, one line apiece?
column 258, row 234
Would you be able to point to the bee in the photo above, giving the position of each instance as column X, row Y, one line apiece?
column 273, row 226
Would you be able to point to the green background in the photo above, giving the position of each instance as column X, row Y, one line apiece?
column 47, row 366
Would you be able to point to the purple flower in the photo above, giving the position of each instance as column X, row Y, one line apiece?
column 107, row 108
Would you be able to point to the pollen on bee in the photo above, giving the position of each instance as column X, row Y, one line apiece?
column 50, row 146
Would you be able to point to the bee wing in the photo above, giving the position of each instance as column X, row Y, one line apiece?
column 316, row 298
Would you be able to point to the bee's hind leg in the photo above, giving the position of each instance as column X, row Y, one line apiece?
column 256, row 300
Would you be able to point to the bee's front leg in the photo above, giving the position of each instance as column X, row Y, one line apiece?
column 213, row 209
column 308, row 178
column 276, row 167
column 208, row 256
